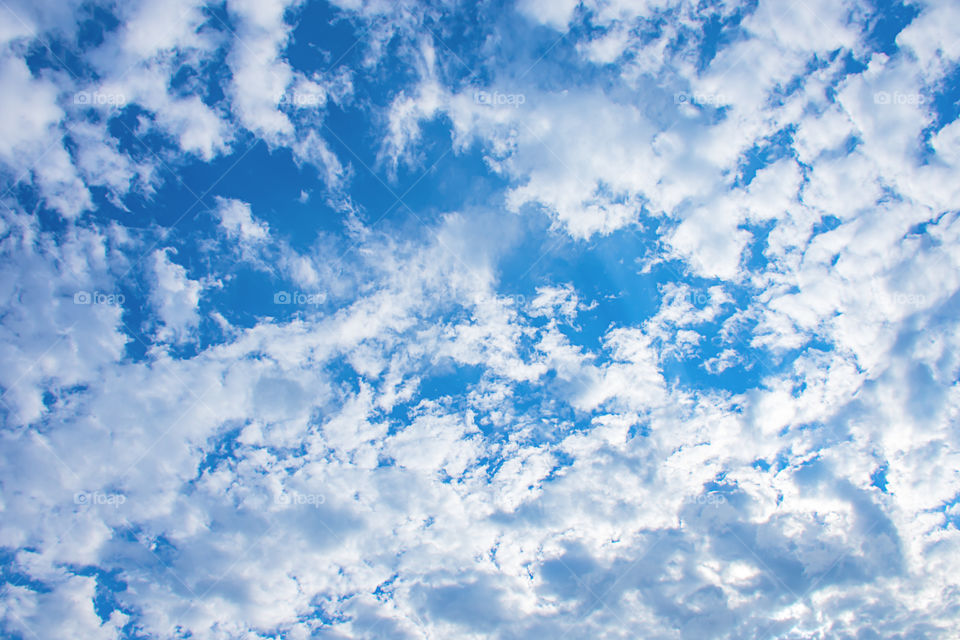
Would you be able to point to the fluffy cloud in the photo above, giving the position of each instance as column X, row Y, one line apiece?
column 731, row 413
column 237, row 221
column 175, row 297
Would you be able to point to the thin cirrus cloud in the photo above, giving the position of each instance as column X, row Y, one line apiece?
column 509, row 320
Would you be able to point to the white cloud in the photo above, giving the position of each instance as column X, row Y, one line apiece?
column 560, row 300
column 555, row 14
column 31, row 139
column 56, row 336
column 237, row 220
column 260, row 79
column 30, row 110
column 322, row 475
column 175, row 297
column 928, row 37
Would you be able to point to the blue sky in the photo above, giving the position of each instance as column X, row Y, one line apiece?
column 546, row 318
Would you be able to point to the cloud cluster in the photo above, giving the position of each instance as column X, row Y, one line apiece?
column 760, row 440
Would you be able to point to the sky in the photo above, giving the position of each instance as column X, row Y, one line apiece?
column 445, row 319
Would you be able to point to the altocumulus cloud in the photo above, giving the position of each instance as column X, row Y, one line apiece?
column 441, row 319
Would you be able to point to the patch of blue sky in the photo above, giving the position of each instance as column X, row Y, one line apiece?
column 446, row 381
column 520, row 54
column 108, row 585
column 749, row 367
column 27, row 195
column 182, row 218
column 951, row 514
column 207, row 82
column 888, row 19
column 94, row 25
column 815, row 63
column 221, row 449
column 946, row 99
column 878, row 478
column 133, row 537
column 456, row 40
column 323, row 39
column 11, row 574
column 271, row 182
column 943, row 101
column 251, row 295
column 851, row 66
column 765, row 152
column 826, row 224
column 603, row 270
column 754, row 257
column 57, row 54
column 444, row 179
column 718, row 30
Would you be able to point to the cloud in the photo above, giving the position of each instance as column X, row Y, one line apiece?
column 259, row 78
column 32, row 143
column 60, row 311
column 554, row 14
column 237, row 221
column 175, row 297
column 749, row 430
column 553, row 301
